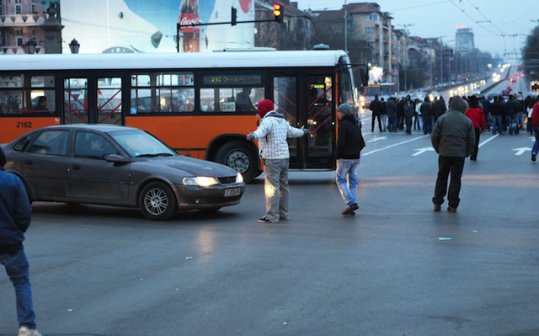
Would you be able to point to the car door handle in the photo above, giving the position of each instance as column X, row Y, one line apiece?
column 76, row 167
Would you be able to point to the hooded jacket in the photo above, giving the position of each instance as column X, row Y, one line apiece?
column 350, row 141
column 15, row 213
column 453, row 135
column 272, row 133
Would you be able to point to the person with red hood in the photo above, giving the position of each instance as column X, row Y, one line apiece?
column 477, row 116
column 273, row 149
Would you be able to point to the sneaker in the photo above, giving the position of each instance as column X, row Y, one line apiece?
column 25, row 331
column 263, row 220
column 451, row 209
column 354, row 206
column 437, row 207
column 348, row 211
column 534, row 157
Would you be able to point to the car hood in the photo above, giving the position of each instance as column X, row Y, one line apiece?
column 190, row 166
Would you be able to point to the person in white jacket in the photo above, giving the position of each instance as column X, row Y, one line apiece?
column 273, row 148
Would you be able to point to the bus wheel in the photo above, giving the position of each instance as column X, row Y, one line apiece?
column 240, row 157
column 157, row 201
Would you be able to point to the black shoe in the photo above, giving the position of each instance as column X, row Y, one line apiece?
column 534, row 157
column 263, row 220
column 437, row 207
column 348, row 211
column 354, row 206
column 451, row 209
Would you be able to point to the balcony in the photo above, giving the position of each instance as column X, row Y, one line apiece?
column 22, row 20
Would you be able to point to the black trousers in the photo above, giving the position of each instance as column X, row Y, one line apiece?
column 476, row 147
column 448, row 165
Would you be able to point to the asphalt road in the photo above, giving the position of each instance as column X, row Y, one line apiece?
column 396, row 268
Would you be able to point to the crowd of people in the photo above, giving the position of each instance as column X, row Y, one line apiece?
column 504, row 114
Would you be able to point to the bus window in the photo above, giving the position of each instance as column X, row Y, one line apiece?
column 109, row 100
column 230, row 99
column 162, row 92
column 75, row 104
column 286, row 101
column 18, row 96
column 231, row 93
column 319, row 115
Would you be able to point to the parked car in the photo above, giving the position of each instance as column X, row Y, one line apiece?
column 120, row 166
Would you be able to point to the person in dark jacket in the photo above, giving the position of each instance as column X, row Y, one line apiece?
column 376, row 107
column 512, row 107
column 15, row 215
column 453, row 138
column 349, row 145
column 497, row 110
column 426, row 114
column 391, row 107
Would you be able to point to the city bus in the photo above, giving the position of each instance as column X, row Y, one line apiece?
column 200, row 104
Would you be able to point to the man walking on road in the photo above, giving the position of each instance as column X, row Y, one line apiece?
column 272, row 133
column 535, row 125
column 15, row 215
column 453, row 138
column 349, row 145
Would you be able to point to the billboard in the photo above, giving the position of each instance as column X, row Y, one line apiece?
column 147, row 26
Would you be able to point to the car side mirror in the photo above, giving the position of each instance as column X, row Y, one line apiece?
column 115, row 158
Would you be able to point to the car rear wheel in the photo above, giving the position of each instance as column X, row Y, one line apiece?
column 240, row 157
column 157, row 201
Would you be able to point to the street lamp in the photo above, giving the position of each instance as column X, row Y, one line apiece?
column 74, row 46
column 31, row 46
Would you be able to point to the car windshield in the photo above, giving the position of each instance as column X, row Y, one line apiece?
column 141, row 144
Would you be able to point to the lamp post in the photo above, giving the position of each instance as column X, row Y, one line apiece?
column 31, row 46
column 74, row 46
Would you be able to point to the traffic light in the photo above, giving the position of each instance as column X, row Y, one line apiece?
column 233, row 16
column 278, row 12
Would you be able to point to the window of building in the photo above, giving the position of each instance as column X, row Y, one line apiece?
column 162, row 92
column 373, row 17
column 369, row 30
column 18, row 7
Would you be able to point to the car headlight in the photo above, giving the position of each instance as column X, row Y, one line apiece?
column 201, row 181
column 239, row 178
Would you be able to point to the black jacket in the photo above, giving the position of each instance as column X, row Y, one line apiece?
column 350, row 141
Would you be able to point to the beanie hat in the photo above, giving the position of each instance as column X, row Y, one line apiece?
column 2, row 158
column 346, row 109
column 264, row 106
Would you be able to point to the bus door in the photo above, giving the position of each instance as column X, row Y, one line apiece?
column 93, row 99
column 314, row 112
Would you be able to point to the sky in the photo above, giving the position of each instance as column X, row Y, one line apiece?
column 489, row 19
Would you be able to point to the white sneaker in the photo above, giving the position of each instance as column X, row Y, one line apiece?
column 24, row 331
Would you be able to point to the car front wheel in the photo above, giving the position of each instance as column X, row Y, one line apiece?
column 157, row 201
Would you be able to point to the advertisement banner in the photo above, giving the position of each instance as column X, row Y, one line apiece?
column 145, row 26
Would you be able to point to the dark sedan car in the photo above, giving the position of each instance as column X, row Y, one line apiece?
column 116, row 165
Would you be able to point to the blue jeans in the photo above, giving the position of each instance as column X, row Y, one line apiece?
column 512, row 120
column 18, row 271
column 347, row 180
column 535, row 148
column 497, row 124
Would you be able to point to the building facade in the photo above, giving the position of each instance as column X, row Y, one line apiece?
column 464, row 40
column 29, row 26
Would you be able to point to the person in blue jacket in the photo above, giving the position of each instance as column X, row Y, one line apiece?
column 15, row 216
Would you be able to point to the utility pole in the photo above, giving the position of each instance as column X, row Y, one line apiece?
column 345, row 27
column 407, row 60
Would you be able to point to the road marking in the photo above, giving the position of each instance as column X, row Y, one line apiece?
column 488, row 140
column 377, row 139
column 522, row 150
column 420, row 151
column 395, row 145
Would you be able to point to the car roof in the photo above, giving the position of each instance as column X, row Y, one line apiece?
column 94, row 127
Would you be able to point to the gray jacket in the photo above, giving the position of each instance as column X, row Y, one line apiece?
column 453, row 135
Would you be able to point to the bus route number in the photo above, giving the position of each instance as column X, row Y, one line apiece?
column 24, row 124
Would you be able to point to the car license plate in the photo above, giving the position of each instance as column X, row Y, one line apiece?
column 232, row 192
